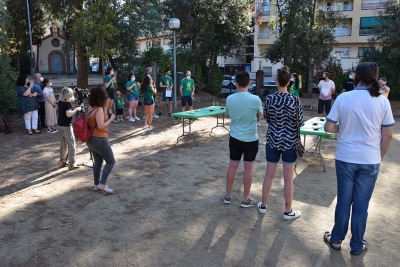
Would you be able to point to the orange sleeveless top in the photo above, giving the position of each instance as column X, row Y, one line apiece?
column 93, row 125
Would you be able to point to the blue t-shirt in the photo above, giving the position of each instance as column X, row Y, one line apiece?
column 243, row 108
column 39, row 90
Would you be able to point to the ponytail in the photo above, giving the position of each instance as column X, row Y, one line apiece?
column 374, row 90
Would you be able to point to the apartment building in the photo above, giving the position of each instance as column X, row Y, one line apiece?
column 352, row 40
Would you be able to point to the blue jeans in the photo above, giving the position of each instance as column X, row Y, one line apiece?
column 355, row 184
column 101, row 151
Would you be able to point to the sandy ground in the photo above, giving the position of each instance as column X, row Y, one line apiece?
column 167, row 210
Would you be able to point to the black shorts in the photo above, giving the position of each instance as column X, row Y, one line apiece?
column 120, row 111
column 110, row 93
column 324, row 103
column 187, row 100
column 237, row 148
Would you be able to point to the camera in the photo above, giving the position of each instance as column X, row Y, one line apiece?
column 82, row 94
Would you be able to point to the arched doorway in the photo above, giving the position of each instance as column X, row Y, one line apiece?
column 56, row 63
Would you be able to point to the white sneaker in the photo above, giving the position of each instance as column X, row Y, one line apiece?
column 131, row 119
column 155, row 116
column 145, row 127
column 116, row 120
column 294, row 214
column 121, row 119
column 261, row 209
column 136, row 118
column 149, row 129
column 144, row 116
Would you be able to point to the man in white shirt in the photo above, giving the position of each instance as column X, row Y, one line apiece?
column 383, row 88
column 326, row 89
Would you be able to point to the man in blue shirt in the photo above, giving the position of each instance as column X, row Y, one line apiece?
column 41, row 100
column 245, row 110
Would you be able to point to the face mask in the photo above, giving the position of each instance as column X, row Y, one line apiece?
column 112, row 73
column 188, row 77
column 292, row 79
column 41, row 79
column 50, row 84
column 133, row 79
column 350, row 76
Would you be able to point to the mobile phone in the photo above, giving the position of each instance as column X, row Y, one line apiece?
column 29, row 84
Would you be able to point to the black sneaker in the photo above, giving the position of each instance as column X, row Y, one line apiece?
column 169, row 114
column 159, row 114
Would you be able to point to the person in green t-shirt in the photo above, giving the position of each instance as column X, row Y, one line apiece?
column 166, row 84
column 119, row 106
column 109, row 82
column 132, row 88
column 147, row 89
column 295, row 84
column 187, row 91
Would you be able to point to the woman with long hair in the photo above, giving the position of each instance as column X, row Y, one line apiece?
column 132, row 88
column 109, row 82
column 363, row 120
column 67, row 137
column 98, row 144
column 283, row 113
column 147, row 89
column 27, row 103
column 50, row 106
column 295, row 84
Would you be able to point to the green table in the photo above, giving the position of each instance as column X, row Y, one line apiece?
column 188, row 117
column 315, row 126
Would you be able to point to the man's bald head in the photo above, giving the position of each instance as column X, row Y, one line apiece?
column 37, row 77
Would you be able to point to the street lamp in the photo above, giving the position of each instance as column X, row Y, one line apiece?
column 174, row 24
column 30, row 39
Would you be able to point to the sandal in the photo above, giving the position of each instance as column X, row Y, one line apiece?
column 96, row 188
column 364, row 247
column 332, row 243
column 105, row 189
column 36, row 131
column 30, row 133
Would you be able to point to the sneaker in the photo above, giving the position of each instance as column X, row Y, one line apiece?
column 159, row 114
column 136, row 118
column 49, row 131
column 248, row 203
column 261, row 209
column 131, row 119
column 155, row 116
column 121, row 119
column 293, row 214
column 150, row 128
column 54, row 130
column 116, row 120
column 144, row 116
column 145, row 127
column 226, row 199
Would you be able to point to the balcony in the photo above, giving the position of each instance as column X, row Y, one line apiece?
column 263, row 35
column 341, row 32
column 368, row 4
column 337, row 7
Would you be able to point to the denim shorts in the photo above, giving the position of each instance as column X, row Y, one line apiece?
column 187, row 100
column 132, row 98
column 238, row 148
column 273, row 155
column 165, row 99
column 147, row 102
column 110, row 93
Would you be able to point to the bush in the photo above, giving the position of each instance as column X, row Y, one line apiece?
column 215, row 85
column 8, row 77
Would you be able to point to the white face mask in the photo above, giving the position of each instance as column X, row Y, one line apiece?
column 292, row 79
column 112, row 73
column 188, row 77
column 133, row 79
column 350, row 76
column 41, row 79
column 50, row 84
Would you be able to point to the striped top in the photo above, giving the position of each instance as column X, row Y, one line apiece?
column 280, row 113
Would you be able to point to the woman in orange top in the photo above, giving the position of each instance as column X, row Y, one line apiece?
column 98, row 143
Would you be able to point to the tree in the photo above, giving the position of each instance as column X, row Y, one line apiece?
column 384, row 46
column 210, row 28
column 305, row 33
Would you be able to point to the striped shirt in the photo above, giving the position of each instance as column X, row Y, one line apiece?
column 280, row 113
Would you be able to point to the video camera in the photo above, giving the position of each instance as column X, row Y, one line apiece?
column 82, row 94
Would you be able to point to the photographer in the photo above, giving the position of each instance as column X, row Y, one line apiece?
column 67, row 137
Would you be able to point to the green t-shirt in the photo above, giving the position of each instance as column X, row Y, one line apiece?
column 166, row 81
column 107, row 79
column 148, row 95
column 135, row 89
column 293, row 89
column 187, row 87
column 118, row 102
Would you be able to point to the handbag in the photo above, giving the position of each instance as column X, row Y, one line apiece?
column 299, row 148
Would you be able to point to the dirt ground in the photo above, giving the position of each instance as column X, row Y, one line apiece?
column 168, row 211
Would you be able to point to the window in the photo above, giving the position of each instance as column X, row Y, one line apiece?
column 166, row 42
column 374, row 4
column 361, row 51
column 341, row 52
column 367, row 25
column 148, row 45
column 55, row 42
column 264, row 33
column 267, row 71
column 341, row 31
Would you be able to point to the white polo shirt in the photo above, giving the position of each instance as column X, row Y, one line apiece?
column 360, row 118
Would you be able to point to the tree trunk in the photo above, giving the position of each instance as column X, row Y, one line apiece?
column 309, row 79
column 83, row 67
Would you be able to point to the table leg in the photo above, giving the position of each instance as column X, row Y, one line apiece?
column 317, row 146
column 185, row 133
column 220, row 124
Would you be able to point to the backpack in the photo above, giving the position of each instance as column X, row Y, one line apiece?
column 5, row 127
column 81, row 128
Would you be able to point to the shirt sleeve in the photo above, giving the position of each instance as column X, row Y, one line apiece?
column 45, row 91
column 388, row 119
column 21, row 90
column 181, row 84
column 333, row 85
column 319, row 84
column 69, row 106
column 333, row 115
column 301, row 117
column 259, row 106
column 266, row 110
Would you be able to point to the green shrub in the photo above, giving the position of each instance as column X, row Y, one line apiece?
column 8, row 77
column 215, row 85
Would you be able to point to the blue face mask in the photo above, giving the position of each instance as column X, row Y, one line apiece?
column 350, row 76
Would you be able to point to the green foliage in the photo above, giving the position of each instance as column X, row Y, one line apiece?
column 8, row 77
column 214, row 87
